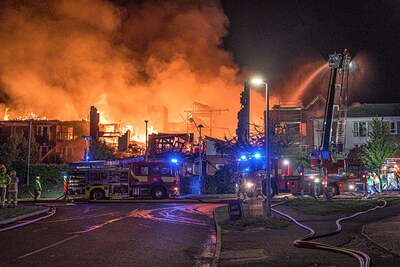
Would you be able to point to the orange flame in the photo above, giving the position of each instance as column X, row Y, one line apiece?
column 5, row 117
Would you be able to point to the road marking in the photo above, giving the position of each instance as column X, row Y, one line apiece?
column 97, row 226
column 82, row 217
column 47, row 247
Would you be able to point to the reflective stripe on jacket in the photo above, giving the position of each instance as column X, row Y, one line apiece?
column 4, row 180
column 13, row 185
column 38, row 185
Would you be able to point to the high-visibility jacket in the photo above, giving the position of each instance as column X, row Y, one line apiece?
column 4, row 180
column 38, row 185
column 13, row 185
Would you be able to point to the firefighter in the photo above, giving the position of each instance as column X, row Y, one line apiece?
column 4, row 181
column 37, row 187
column 370, row 184
column 12, row 199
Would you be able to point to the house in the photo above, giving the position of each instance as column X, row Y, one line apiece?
column 59, row 141
column 358, row 123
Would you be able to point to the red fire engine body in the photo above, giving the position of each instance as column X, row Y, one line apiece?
column 123, row 179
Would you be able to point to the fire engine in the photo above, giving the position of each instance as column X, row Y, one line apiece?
column 116, row 179
column 328, row 160
column 328, row 167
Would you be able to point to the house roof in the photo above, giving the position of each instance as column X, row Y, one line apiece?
column 374, row 110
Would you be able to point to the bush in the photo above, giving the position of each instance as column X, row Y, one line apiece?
column 189, row 185
column 51, row 178
column 223, row 182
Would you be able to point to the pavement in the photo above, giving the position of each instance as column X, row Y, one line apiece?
column 386, row 233
column 24, row 215
column 115, row 234
column 266, row 247
column 179, row 199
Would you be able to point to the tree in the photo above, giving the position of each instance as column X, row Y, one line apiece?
column 379, row 147
column 15, row 151
column 100, row 151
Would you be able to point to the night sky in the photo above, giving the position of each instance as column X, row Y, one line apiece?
column 158, row 48
column 276, row 38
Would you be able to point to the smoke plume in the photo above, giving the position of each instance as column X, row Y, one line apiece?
column 57, row 58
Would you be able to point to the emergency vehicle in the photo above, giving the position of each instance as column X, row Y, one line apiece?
column 118, row 179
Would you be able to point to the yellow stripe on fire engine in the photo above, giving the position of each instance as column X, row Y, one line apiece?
column 168, row 179
column 141, row 178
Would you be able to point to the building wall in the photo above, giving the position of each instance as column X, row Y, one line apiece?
column 356, row 137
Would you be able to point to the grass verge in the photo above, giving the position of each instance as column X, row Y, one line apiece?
column 222, row 217
column 336, row 206
column 8, row 213
column 392, row 201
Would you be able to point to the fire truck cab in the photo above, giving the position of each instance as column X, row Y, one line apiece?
column 153, row 178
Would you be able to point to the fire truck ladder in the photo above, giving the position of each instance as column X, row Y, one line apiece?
column 342, row 84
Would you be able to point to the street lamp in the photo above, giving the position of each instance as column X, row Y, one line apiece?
column 286, row 162
column 87, row 140
column 259, row 81
column 200, row 126
column 146, row 152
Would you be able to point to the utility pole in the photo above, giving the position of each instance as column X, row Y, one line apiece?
column 29, row 153
column 267, row 153
column 146, row 153
column 87, row 147
column 268, row 200
column 200, row 158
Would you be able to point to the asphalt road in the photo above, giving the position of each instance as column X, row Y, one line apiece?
column 130, row 234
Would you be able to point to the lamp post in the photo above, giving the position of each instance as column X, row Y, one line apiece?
column 87, row 147
column 29, row 152
column 200, row 158
column 146, row 155
column 286, row 162
column 258, row 81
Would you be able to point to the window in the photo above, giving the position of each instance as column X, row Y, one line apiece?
column 393, row 127
column 144, row 170
column 355, row 129
column 363, row 129
column 165, row 171
column 70, row 133
column 360, row 129
column 97, row 176
column 219, row 166
column 155, row 170
column 369, row 127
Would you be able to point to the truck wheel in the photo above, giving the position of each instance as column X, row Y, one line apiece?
column 97, row 194
column 334, row 189
column 158, row 192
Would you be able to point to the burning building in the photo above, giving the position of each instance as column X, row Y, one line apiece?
column 109, row 54
column 58, row 141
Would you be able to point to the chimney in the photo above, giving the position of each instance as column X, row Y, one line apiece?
column 94, row 123
column 123, row 141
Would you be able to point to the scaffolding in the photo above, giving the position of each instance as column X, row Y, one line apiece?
column 289, row 114
column 206, row 116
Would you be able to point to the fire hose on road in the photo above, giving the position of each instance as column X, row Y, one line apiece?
column 305, row 242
